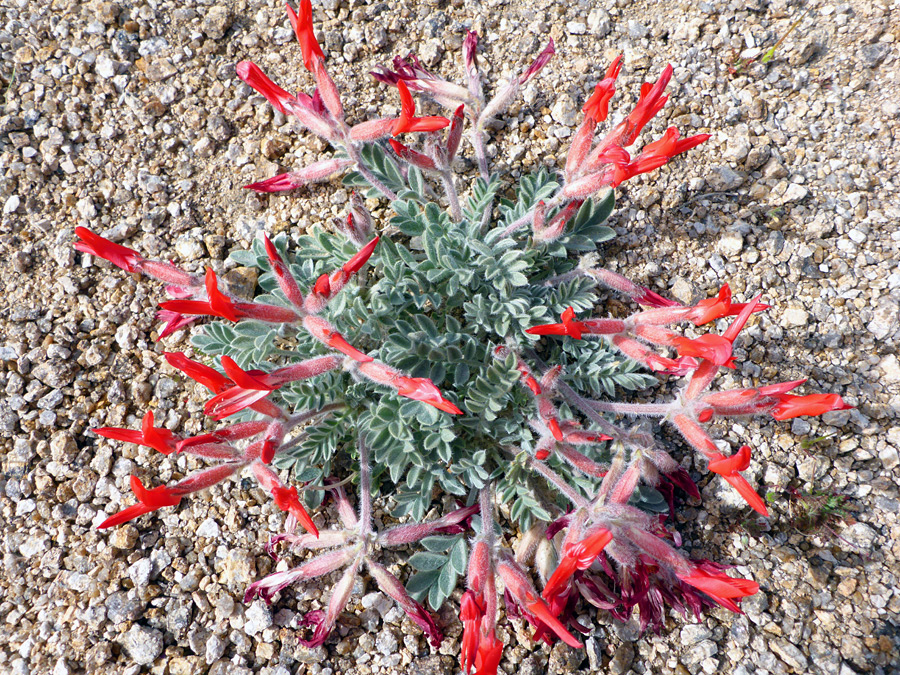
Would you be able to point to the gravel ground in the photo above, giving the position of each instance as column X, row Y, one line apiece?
column 126, row 117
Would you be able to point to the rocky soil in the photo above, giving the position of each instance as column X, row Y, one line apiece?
column 126, row 117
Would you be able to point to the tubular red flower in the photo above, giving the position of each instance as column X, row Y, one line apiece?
column 160, row 439
column 233, row 432
column 390, row 586
column 790, row 406
column 415, row 158
column 568, row 326
column 250, row 73
column 148, row 501
column 326, row 287
column 325, row 333
column 174, row 321
column 714, row 308
column 249, row 387
column 210, row 378
column 408, row 121
column 422, row 389
column 221, row 305
column 324, row 621
column 669, row 144
column 576, row 556
column 720, row 587
column 520, row 588
column 95, row 245
column 453, row 523
column 597, row 106
column 286, row 499
column 279, row 183
column 455, row 134
column 650, row 103
column 286, row 280
column 471, row 612
column 302, row 23
column 713, row 348
column 728, row 468
column 218, row 304
column 542, row 59
column 246, row 379
column 487, row 660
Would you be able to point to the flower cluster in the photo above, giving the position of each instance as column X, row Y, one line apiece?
column 429, row 356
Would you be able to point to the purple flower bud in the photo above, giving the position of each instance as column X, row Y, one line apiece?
column 324, row 622
column 539, row 63
column 406, row 534
column 389, row 585
column 473, row 77
column 455, row 135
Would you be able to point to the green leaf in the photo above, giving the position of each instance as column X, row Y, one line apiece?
column 419, row 584
column 438, row 543
column 425, row 562
column 459, row 556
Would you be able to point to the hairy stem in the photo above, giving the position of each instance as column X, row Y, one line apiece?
column 300, row 418
column 486, row 505
column 656, row 409
column 368, row 175
column 480, row 152
column 365, row 488
column 552, row 477
column 527, row 219
column 452, row 196
column 580, row 402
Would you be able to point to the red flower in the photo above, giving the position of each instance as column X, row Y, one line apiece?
column 286, row 499
column 423, row 389
column 576, row 556
column 479, row 649
column 714, row 308
column 521, row 590
column 303, row 29
column 597, row 106
column 542, row 59
column 713, row 348
column 720, row 587
column 174, row 321
column 650, row 103
column 234, row 432
column 160, row 439
column 250, row 73
column 221, row 305
column 326, row 287
column 218, row 304
column 568, row 326
column 670, row 144
column 210, row 378
column 249, row 386
column 408, row 121
column 148, row 501
column 415, row 158
column 728, row 468
column 471, row 612
column 487, row 660
column 790, row 406
column 391, row 586
column 94, row 244
column 279, row 183
column 286, row 280
column 322, row 331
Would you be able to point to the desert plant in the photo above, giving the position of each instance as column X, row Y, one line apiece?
column 412, row 357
